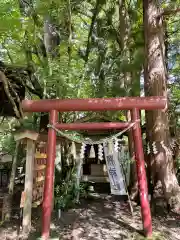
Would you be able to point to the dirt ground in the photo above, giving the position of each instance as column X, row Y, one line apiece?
column 100, row 218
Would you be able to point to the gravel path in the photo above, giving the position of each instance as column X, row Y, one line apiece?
column 102, row 218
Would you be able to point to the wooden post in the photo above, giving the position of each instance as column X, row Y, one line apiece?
column 49, row 180
column 79, row 175
column 28, row 186
column 30, row 137
column 141, row 175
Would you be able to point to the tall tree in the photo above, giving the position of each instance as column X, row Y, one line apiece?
column 157, row 128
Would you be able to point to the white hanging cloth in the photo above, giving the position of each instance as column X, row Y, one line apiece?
column 114, row 170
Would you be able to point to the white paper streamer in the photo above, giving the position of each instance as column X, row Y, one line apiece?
column 100, row 152
column 168, row 152
column 116, row 145
column 92, row 152
column 83, row 146
column 154, row 148
column 148, row 149
column 73, row 150
column 110, row 147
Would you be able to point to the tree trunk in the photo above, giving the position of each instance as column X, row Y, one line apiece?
column 7, row 203
column 155, row 77
column 51, row 38
column 123, row 38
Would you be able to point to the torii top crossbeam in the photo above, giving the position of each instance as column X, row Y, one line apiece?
column 94, row 104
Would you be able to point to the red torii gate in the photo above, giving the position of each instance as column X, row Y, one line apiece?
column 97, row 104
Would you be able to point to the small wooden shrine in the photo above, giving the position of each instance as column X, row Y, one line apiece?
column 93, row 169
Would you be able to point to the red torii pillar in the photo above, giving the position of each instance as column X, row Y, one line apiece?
column 102, row 104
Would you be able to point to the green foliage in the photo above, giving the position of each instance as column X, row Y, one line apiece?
column 7, row 144
column 155, row 236
column 26, row 32
column 66, row 193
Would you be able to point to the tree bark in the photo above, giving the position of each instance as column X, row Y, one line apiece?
column 157, row 123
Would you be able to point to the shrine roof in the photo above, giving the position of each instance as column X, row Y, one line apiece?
column 98, row 117
column 16, row 77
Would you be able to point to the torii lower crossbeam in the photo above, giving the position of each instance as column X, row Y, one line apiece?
column 55, row 106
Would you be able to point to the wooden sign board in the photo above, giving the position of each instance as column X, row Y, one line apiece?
column 39, row 173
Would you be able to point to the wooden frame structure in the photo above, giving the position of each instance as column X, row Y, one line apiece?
column 102, row 104
column 29, row 137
